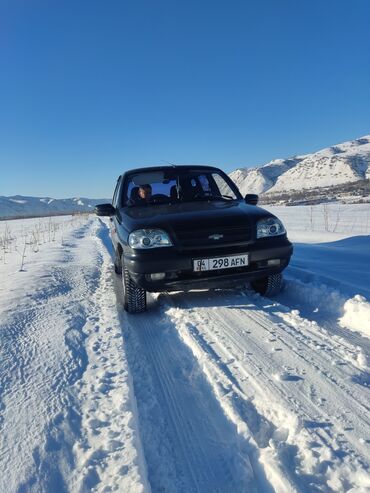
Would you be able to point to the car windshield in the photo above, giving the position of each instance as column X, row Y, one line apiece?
column 170, row 186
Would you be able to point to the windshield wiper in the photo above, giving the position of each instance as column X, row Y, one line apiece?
column 210, row 196
column 218, row 197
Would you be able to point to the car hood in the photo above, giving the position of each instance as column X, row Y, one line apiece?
column 195, row 216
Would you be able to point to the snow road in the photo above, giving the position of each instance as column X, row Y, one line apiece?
column 221, row 391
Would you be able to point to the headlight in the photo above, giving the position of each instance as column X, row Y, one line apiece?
column 270, row 226
column 149, row 238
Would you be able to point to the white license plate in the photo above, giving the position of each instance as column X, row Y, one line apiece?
column 220, row 262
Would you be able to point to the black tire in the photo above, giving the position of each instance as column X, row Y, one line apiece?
column 268, row 286
column 134, row 297
column 117, row 264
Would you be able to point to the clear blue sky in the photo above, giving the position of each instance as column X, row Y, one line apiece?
column 91, row 88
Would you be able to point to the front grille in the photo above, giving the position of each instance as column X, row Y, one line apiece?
column 197, row 239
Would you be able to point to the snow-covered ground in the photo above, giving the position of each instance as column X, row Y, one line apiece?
column 222, row 391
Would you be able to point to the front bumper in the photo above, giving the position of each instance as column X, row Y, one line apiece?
column 178, row 266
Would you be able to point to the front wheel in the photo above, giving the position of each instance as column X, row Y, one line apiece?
column 117, row 264
column 134, row 297
column 268, row 286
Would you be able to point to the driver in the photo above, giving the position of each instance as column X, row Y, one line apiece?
column 144, row 194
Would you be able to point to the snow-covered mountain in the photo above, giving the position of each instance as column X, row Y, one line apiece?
column 342, row 163
column 261, row 179
column 21, row 206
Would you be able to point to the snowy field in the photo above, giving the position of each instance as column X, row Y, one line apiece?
column 222, row 391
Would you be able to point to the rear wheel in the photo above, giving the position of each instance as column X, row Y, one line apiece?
column 134, row 297
column 268, row 286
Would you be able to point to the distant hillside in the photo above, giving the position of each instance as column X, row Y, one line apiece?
column 356, row 192
column 336, row 166
column 20, row 206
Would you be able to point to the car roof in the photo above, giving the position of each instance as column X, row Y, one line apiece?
column 179, row 167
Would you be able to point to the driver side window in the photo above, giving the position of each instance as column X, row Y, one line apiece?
column 115, row 195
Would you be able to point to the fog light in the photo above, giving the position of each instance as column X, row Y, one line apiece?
column 273, row 261
column 158, row 276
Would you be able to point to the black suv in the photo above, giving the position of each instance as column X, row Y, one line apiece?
column 176, row 228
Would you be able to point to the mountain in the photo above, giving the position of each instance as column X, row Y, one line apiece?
column 340, row 164
column 261, row 179
column 21, row 206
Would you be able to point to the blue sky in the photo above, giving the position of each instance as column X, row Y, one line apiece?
column 91, row 88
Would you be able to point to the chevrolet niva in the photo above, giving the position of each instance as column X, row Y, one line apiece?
column 176, row 228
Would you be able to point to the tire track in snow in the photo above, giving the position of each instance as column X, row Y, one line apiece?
column 189, row 443
column 317, row 351
column 233, row 337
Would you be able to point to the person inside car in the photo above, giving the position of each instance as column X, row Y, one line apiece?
column 144, row 195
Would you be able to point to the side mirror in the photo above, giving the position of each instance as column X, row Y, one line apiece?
column 251, row 199
column 105, row 210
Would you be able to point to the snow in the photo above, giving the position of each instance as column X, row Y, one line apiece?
column 67, row 414
column 328, row 270
column 207, row 391
column 356, row 315
column 18, row 201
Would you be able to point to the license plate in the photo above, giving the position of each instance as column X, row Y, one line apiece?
column 220, row 262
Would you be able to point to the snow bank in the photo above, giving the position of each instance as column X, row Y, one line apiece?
column 314, row 296
column 356, row 315
column 319, row 302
